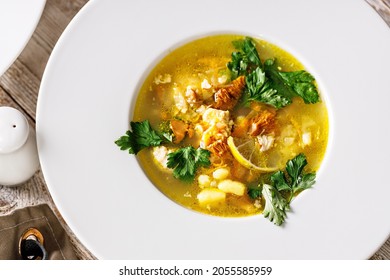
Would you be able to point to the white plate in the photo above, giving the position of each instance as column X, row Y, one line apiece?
column 88, row 92
column 18, row 19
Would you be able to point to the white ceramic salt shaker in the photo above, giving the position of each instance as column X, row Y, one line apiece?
column 18, row 148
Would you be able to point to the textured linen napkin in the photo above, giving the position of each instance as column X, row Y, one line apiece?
column 42, row 218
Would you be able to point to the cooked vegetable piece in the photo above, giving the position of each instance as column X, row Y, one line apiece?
column 179, row 129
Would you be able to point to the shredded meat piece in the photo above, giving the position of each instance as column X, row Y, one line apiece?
column 179, row 129
column 227, row 97
column 262, row 123
column 218, row 147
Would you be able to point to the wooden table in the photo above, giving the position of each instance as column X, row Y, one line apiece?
column 19, row 87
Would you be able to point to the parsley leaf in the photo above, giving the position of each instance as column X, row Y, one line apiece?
column 127, row 142
column 280, row 182
column 298, row 182
column 290, row 84
column 265, row 82
column 238, row 65
column 255, row 192
column 185, row 162
column 258, row 88
column 139, row 137
column 295, row 166
column 275, row 205
column 245, row 59
column 306, row 182
column 255, row 82
column 248, row 48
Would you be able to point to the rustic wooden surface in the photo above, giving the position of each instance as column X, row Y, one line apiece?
column 19, row 87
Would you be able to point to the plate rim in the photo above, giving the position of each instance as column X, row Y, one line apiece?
column 63, row 37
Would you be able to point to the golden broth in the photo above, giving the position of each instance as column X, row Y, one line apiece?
column 205, row 59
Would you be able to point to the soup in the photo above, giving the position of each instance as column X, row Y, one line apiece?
column 237, row 127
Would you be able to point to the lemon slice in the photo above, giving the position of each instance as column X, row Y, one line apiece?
column 247, row 152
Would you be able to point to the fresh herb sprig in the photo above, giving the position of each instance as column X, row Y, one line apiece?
column 289, row 84
column 259, row 88
column 185, row 161
column 265, row 82
column 255, row 192
column 283, row 189
column 296, row 181
column 141, row 136
column 276, row 206
column 245, row 59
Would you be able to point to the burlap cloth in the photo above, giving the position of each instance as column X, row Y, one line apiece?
column 41, row 217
